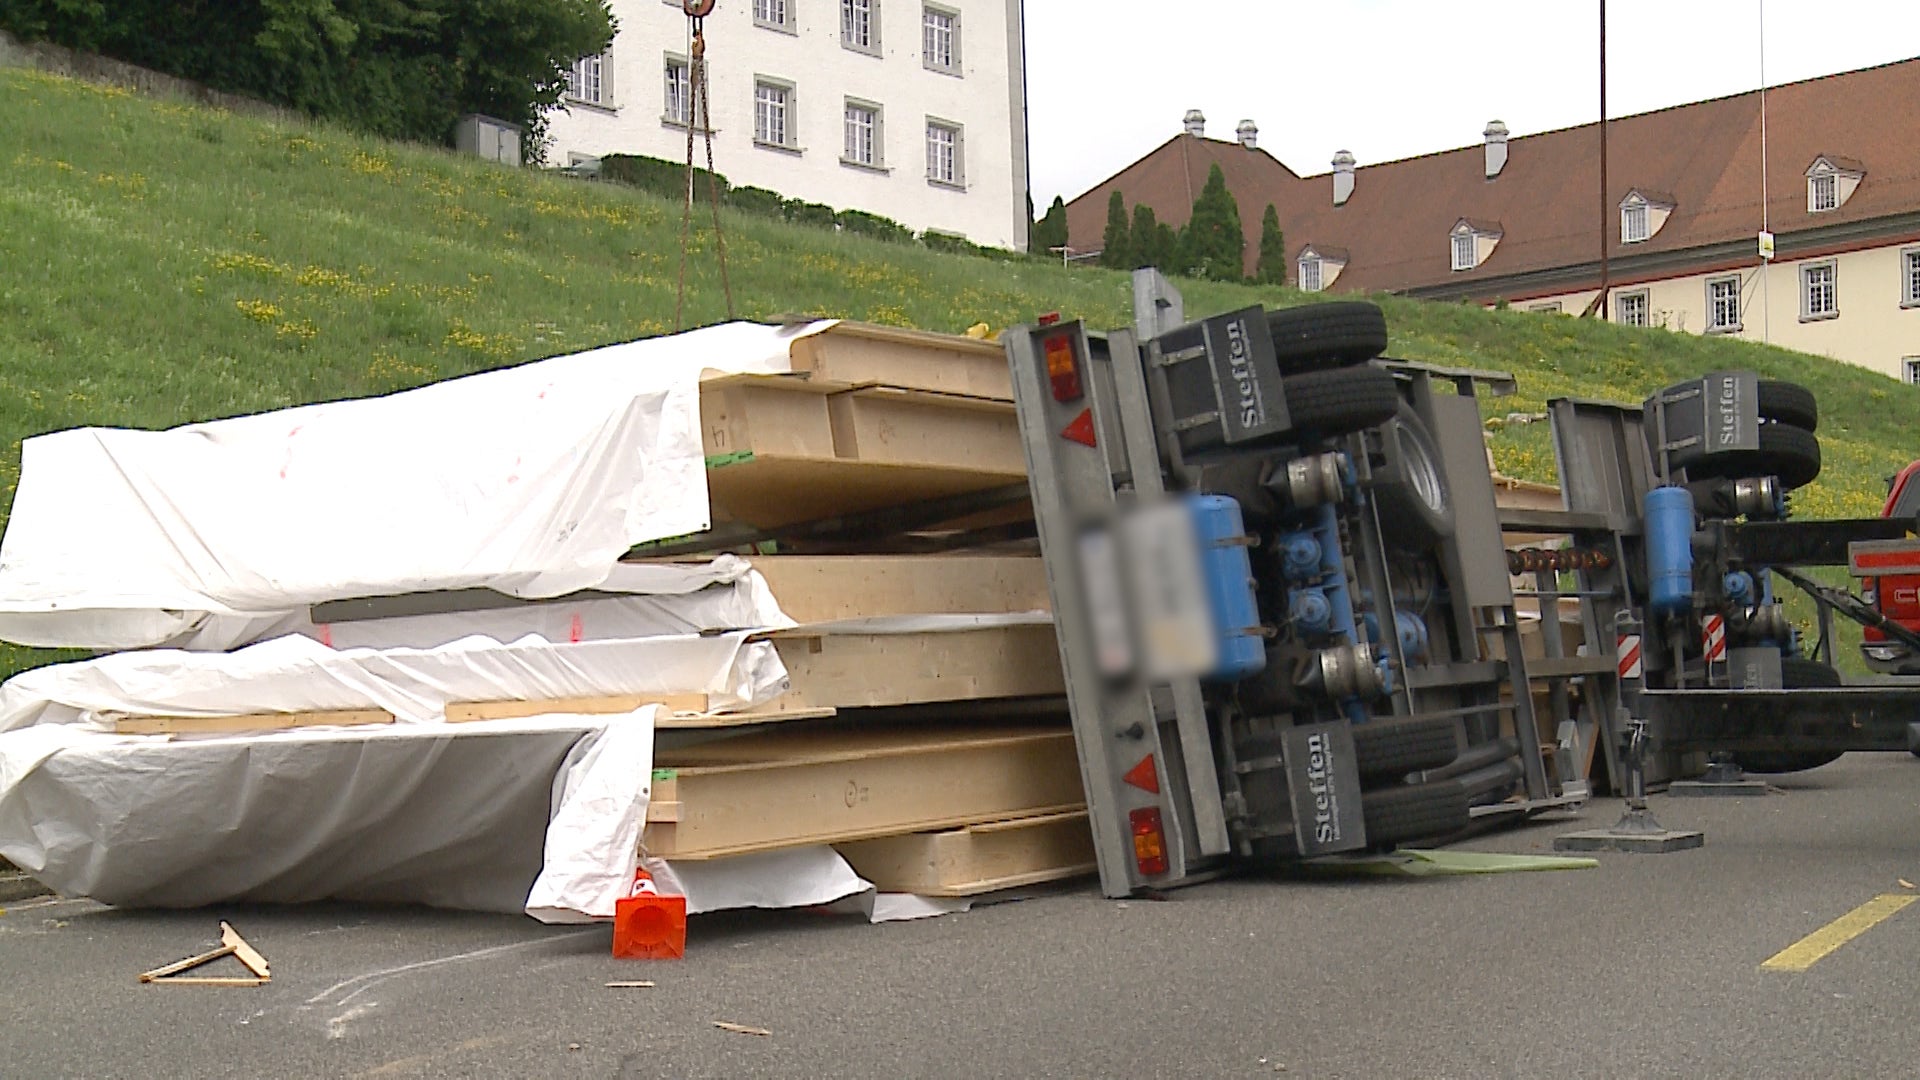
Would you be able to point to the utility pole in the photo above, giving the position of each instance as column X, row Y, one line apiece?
column 1606, row 211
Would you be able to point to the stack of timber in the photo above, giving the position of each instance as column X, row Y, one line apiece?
column 924, row 732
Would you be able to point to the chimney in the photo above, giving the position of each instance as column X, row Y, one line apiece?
column 1249, row 135
column 1496, row 148
column 1196, row 123
column 1342, row 178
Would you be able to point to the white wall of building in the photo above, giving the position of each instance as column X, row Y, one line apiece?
column 1873, row 328
column 986, row 100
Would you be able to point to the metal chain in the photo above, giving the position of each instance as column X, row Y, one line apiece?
column 697, row 96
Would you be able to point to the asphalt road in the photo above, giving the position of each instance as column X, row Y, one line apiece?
column 1648, row 966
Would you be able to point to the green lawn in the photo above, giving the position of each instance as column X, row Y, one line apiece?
column 163, row 263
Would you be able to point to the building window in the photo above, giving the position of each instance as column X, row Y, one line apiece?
column 774, row 14
column 1723, row 305
column 940, row 39
column 863, row 142
column 1463, row 251
column 589, row 81
column 1310, row 275
column 946, row 162
column 1910, row 371
column 773, row 114
column 1819, row 292
column 1823, row 192
column 1549, row 308
column 1910, row 278
column 679, row 93
column 1633, row 224
column 1632, row 309
column 860, row 25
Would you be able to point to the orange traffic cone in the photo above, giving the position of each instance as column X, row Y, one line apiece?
column 647, row 925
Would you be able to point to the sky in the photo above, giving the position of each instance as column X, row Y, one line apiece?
column 1109, row 80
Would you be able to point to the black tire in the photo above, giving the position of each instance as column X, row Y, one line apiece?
column 1397, row 815
column 1411, row 485
column 1789, row 403
column 1394, row 748
column 1795, row 673
column 1313, row 337
column 1788, row 452
column 1324, row 404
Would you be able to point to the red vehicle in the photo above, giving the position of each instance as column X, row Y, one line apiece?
column 1897, row 597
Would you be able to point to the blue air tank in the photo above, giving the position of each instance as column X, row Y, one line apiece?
column 1669, row 519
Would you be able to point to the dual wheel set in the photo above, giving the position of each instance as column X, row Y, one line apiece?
column 1416, row 783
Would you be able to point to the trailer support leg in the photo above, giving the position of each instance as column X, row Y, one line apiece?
column 1637, row 829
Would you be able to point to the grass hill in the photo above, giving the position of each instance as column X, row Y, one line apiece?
column 163, row 263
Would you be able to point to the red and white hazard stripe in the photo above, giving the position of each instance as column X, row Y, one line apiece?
column 1627, row 651
column 1713, row 639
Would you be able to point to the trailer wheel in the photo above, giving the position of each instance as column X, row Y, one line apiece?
column 1414, row 812
column 1312, row 337
column 1340, row 401
column 1394, row 748
column 1788, row 452
column 1795, row 673
column 1410, row 485
column 1789, row 403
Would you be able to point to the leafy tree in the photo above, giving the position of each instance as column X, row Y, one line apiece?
column 1153, row 243
column 1272, row 268
column 1050, row 231
column 398, row 68
column 1116, row 244
column 1212, row 245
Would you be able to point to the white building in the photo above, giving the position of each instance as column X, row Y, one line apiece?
column 912, row 110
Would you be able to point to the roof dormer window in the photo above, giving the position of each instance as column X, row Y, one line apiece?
column 1473, row 242
column 1830, row 182
column 1318, row 267
column 1642, row 213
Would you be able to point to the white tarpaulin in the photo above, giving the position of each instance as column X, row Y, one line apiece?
column 297, row 674
column 532, row 480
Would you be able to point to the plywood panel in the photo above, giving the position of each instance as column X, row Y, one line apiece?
column 791, row 788
column 766, row 491
column 978, row 858
column 765, row 416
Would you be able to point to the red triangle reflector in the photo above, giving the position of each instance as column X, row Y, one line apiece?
column 1081, row 430
column 1143, row 777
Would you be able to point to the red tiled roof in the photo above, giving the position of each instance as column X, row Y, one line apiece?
column 1703, row 159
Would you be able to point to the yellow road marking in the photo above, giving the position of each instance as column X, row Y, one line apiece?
column 1809, row 950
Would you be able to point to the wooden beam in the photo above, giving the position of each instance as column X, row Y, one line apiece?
column 979, row 858
column 861, row 354
column 853, row 670
column 792, row 788
column 829, row 588
column 215, row 725
column 905, row 427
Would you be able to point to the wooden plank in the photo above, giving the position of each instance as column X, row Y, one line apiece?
column 790, row 788
column 466, row 711
column 851, row 670
column 215, row 725
column 979, row 858
column 769, row 490
column 861, row 353
column 685, row 711
column 828, row 588
column 210, row 980
column 903, row 428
